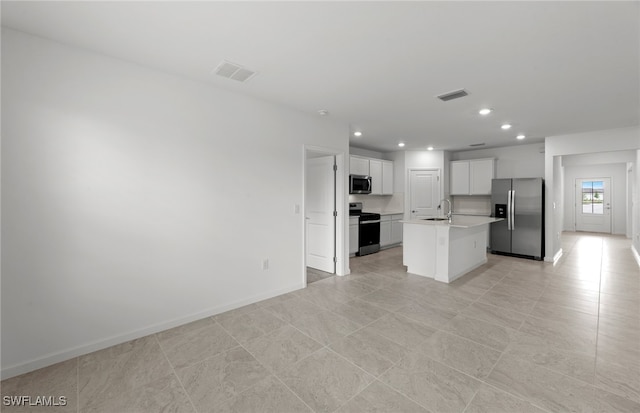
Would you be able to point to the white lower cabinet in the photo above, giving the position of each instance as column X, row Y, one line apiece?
column 353, row 235
column 385, row 230
column 396, row 229
column 390, row 230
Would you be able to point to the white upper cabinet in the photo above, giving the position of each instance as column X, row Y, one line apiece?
column 375, row 171
column 481, row 172
column 381, row 173
column 472, row 177
column 387, row 178
column 358, row 165
column 460, row 178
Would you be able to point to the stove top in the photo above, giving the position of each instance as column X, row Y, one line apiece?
column 355, row 210
column 368, row 216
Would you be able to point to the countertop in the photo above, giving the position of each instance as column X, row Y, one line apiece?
column 381, row 212
column 458, row 221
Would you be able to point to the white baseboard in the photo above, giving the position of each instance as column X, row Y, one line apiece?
column 87, row 348
column 555, row 258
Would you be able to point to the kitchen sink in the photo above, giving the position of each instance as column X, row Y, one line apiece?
column 435, row 219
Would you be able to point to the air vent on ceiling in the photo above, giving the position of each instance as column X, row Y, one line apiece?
column 234, row 71
column 477, row 144
column 456, row 94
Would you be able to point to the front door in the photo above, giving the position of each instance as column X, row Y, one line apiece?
column 424, row 190
column 320, row 207
column 593, row 205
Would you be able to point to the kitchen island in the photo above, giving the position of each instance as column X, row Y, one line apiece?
column 444, row 251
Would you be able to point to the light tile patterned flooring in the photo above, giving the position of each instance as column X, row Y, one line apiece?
column 314, row 275
column 513, row 336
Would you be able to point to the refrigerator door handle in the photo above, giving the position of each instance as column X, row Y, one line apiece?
column 513, row 210
column 509, row 210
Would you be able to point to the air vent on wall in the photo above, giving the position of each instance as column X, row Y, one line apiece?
column 477, row 144
column 234, row 71
column 456, row 94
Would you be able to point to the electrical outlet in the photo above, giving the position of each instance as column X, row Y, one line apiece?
column 265, row 264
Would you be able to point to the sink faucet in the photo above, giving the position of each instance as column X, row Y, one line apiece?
column 442, row 201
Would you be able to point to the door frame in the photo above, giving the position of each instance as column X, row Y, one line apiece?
column 407, row 188
column 341, row 247
column 577, row 204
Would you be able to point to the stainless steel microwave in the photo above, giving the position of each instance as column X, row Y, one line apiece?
column 359, row 184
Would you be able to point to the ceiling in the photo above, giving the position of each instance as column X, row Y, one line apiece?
column 548, row 68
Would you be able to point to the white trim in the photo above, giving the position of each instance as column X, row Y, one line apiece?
column 81, row 350
column 341, row 241
column 555, row 258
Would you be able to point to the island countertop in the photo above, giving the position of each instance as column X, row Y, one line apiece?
column 457, row 221
column 445, row 251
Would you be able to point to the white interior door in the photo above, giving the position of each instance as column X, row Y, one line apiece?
column 593, row 205
column 320, row 207
column 424, row 190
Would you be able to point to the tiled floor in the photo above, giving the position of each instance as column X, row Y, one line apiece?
column 513, row 336
column 314, row 275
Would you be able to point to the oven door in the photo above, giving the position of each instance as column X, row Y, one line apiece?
column 359, row 184
column 369, row 236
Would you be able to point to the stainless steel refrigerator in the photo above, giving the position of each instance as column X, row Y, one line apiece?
column 520, row 201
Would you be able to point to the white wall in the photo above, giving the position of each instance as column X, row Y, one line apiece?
column 367, row 153
column 610, row 140
column 558, row 190
column 518, row 161
column 424, row 159
column 636, row 205
column 133, row 200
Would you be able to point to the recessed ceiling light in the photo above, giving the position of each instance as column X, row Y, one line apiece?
column 401, row 144
column 430, row 148
column 323, row 112
column 357, row 133
column 520, row 137
column 506, row 126
column 485, row 111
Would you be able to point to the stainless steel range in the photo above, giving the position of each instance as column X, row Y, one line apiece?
column 368, row 229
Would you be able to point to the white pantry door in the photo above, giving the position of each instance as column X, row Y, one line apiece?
column 424, row 190
column 593, row 205
column 320, row 207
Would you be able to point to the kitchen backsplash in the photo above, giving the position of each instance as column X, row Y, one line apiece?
column 380, row 203
column 472, row 205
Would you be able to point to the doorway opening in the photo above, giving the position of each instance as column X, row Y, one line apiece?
column 323, row 216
